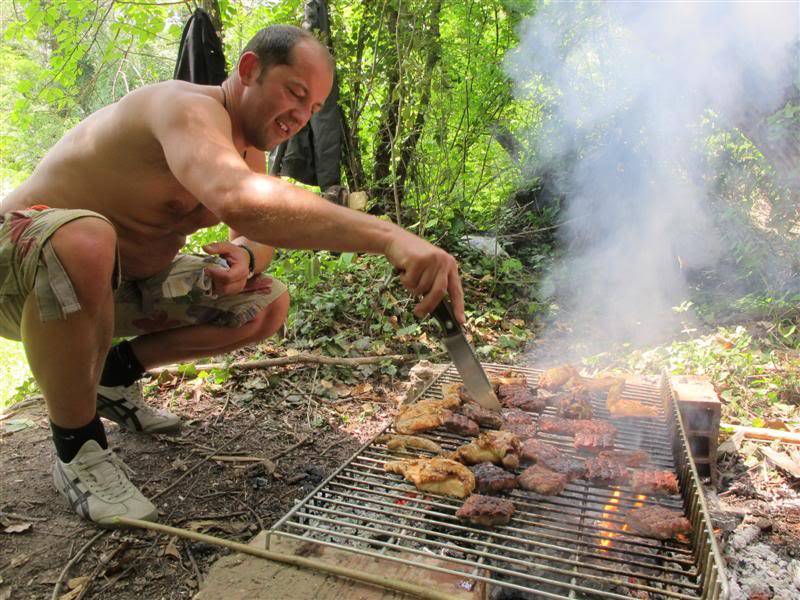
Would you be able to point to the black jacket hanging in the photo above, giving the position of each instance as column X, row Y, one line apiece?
column 201, row 58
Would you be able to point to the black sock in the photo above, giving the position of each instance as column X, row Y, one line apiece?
column 69, row 441
column 122, row 367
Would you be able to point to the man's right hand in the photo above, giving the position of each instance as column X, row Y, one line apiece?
column 427, row 271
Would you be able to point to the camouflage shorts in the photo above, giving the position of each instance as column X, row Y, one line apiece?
column 180, row 295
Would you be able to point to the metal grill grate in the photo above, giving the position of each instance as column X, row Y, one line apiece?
column 575, row 545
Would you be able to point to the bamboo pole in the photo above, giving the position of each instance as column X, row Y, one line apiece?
column 379, row 580
column 283, row 361
column 761, row 433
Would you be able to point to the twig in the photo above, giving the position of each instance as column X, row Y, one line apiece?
column 194, row 566
column 201, row 462
column 20, row 517
column 72, row 561
column 762, row 433
column 293, row 360
column 101, row 565
column 297, row 561
column 302, row 442
column 332, row 445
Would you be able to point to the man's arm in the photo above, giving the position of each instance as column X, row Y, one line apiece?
column 195, row 134
column 257, row 161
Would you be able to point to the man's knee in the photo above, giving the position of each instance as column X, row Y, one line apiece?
column 87, row 248
column 269, row 320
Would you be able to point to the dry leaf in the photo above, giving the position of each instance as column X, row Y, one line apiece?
column 77, row 582
column 361, row 389
column 19, row 528
column 5, row 592
column 206, row 525
column 17, row 561
column 325, row 384
column 775, row 424
column 171, row 549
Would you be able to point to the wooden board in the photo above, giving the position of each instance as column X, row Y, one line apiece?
column 240, row 577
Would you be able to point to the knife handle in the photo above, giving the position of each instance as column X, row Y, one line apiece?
column 447, row 319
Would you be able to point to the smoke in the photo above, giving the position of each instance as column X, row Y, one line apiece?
column 626, row 86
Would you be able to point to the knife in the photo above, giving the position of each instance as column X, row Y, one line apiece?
column 464, row 358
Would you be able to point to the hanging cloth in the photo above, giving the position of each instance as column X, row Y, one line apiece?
column 201, row 58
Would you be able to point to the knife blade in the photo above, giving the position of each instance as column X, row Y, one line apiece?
column 464, row 358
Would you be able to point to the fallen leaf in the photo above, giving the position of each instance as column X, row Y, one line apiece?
column 77, row 582
column 5, row 592
column 775, row 424
column 18, row 528
column 18, row 560
column 14, row 425
column 172, row 550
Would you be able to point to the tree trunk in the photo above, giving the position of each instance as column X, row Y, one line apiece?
column 388, row 126
column 410, row 142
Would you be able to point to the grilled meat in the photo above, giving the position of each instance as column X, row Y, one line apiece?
column 456, row 423
column 600, row 384
column 542, row 480
column 455, row 394
column 523, row 431
column 593, row 441
column 571, row 426
column 508, row 378
column 553, row 458
column 553, row 379
column 435, row 475
column 658, row 522
column 492, row 479
column 654, row 482
column 574, row 405
column 629, row 458
column 404, row 442
column 520, row 397
column 482, row 416
column 421, row 416
column 515, row 416
column 625, row 407
column 486, row 510
column 499, row 447
column 606, row 471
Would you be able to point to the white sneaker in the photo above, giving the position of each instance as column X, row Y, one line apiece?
column 97, row 487
column 125, row 405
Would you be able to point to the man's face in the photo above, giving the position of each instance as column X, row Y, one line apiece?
column 281, row 103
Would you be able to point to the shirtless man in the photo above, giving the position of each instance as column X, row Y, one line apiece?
column 89, row 250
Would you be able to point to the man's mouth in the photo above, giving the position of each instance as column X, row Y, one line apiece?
column 282, row 126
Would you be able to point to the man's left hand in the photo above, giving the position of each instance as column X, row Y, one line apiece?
column 232, row 280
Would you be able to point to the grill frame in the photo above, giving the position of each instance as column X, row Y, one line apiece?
column 359, row 499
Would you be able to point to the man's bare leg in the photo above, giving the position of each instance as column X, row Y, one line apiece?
column 199, row 341
column 66, row 356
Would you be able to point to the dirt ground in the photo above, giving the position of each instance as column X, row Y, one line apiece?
column 251, row 417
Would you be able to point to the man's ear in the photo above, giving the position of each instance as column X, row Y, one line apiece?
column 249, row 68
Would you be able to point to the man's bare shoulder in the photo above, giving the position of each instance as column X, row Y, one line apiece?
column 169, row 97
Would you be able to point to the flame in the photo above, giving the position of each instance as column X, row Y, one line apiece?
column 610, row 510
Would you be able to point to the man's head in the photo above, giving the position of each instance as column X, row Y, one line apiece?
column 286, row 74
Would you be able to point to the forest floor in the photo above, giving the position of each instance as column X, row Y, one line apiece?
column 301, row 438
column 276, row 434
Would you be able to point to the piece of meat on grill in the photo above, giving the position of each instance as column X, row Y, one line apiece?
column 571, row 426
column 574, row 405
column 654, row 482
column 403, row 442
column 555, row 459
column 482, row 416
column 523, row 431
column 658, row 522
column 520, row 397
column 552, row 379
column 606, row 471
column 542, row 480
column 499, row 447
column 435, row 475
column 421, row 416
column 455, row 394
column 629, row 458
column 600, row 384
column 515, row 416
column 593, row 442
column 625, row 407
column 492, row 479
column 486, row 510
column 508, row 378
column 456, row 423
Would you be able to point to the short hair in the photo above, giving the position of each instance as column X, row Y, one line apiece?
column 273, row 45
